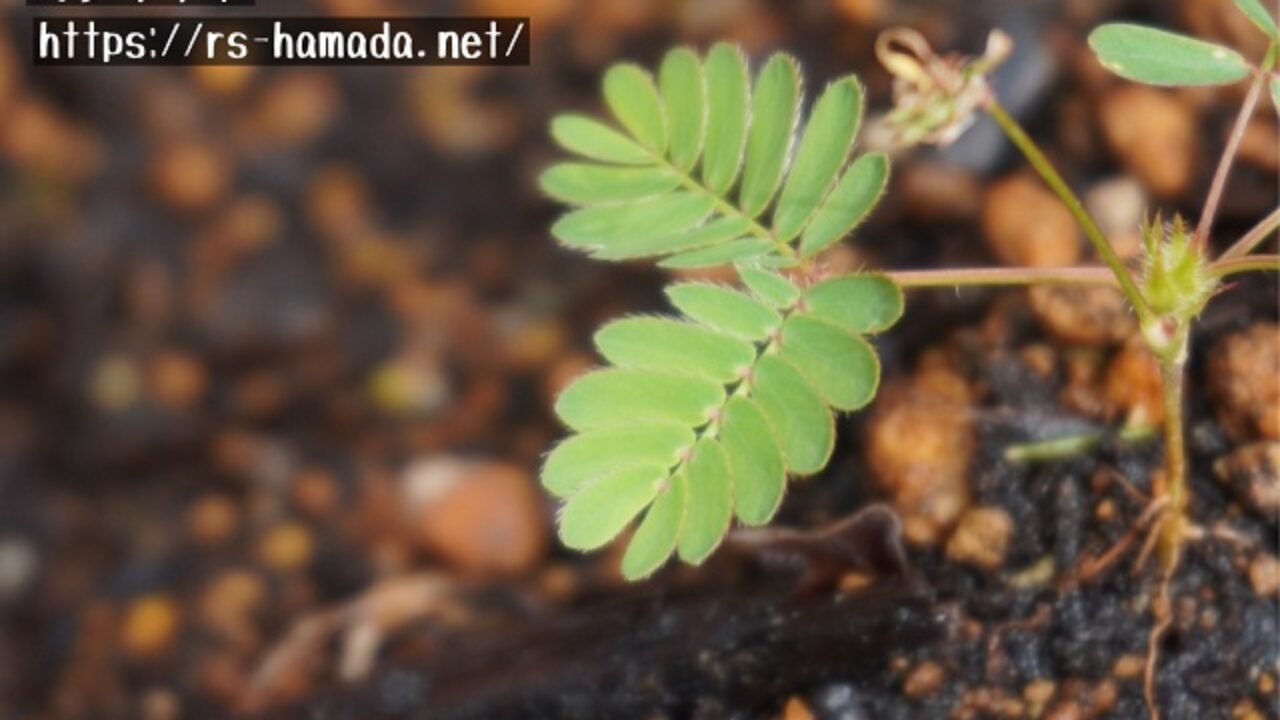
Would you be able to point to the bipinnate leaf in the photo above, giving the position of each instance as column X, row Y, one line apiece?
column 706, row 167
column 1157, row 57
column 702, row 418
column 1259, row 16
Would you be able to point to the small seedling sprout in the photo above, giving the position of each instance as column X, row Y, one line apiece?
column 700, row 419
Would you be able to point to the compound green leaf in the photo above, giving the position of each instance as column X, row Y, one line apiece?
column 727, row 112
column 841, row 366
column 861, row 304
column 738, row 250
column 774, row 107
column 759, row 473
column 822, row 151
column 618, row 397
column 595, row 140
column 655, row 538
column 725, row 310
column 590, row 184
column 1259, row 16
column 600, row 511
column 591, row 455
column 680, row 82
column 709, row 508
column 633, row 98
column 716, row 232
column 848, row 204
column 804, row 426
column 603, row 226
column 1157, row 57
column 769, row 286
column 653, row 343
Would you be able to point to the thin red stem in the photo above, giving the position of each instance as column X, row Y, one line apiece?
column 1087, row 275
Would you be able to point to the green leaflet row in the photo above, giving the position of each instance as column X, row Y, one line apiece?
column 702, row 167
column 699, row 419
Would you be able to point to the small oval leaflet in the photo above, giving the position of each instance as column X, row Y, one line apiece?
column 1157, row 57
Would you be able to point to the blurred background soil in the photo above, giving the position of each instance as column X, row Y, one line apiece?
column 278, row 348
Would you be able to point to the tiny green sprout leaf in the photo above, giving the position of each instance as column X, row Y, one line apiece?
column 710, row 166
column 591, row 455
column 595, row 140
column 625, row 398
column 759, row 473
column 680, row 82
column 633, row 97
column 820, row 155
column 849, row 203
column 1275, row 92
column 770, row 287
column 726, row 310
column 605, row 225
column 709, row 508
column 712, row 236
column 655, row 539
column 601, row 510
column 590, row 184
column 858, row 303
column 1157, row 57
column 1259, row 16
column 702, row 418
column 841, row 366
column 806, row 432
column 728, row 98
column 774, row 111
column 654, row 343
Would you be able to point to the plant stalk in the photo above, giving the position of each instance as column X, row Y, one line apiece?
column 1059, row 186
column 1249, row 263
column 1254, row 237
column 1233, row 144
column 1173, row 525
column 1091, row 275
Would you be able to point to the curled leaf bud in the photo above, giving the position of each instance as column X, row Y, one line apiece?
column 935, row 96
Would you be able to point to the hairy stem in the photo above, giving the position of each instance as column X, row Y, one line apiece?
column 1233, row 144
column 1059, row 186
column 1173, row 525
column 1249, row 263
column 1254, row 237
column 1092, row 275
